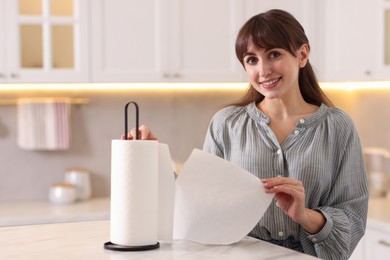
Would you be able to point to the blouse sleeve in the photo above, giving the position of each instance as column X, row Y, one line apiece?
column 346, row 206
column 211, row 143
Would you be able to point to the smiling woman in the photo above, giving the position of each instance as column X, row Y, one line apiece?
column 287, row 132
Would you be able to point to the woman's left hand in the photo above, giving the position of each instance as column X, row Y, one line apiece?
column 290, row 196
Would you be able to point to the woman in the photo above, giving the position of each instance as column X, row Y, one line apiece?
column 287, row 132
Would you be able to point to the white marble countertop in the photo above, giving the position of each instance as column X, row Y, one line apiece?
column 84, row 240
column 41, row 212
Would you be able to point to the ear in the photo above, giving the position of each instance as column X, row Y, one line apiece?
column 303, row 55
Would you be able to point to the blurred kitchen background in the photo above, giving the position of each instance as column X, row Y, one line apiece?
column 176, row 59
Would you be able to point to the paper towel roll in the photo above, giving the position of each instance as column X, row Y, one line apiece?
column 134, row 189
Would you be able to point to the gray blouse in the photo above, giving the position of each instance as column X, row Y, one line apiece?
column 323, row 152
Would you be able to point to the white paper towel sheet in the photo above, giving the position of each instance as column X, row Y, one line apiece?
column 216, row 201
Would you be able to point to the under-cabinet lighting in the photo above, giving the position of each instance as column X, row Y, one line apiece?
column 349, row 86
column 123, row 86
column 356, row 85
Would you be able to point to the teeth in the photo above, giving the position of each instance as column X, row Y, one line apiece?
column 270, row 82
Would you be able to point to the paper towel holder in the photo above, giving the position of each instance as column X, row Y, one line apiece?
column 136, row 119
column 116, row 247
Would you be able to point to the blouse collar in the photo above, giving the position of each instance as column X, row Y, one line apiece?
column 257, row 115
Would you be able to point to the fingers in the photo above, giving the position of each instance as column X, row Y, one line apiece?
column 144, row 133
column 273, row 182
column 282, row 184
column 289, row 194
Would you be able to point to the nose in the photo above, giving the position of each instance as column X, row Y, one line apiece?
column 264, row 68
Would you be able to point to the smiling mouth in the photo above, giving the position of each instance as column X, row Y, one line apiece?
column 270, row 83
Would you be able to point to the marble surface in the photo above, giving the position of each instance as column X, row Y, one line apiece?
column 84, row 240
column 41, row 212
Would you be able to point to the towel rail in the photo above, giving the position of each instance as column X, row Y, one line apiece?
column 73, row 101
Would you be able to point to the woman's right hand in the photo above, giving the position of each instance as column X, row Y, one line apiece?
column 144, row 133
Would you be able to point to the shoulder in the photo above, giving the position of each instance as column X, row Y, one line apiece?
column 226, row 117
column 341, row 126
column 228, row 112
column 340, row 119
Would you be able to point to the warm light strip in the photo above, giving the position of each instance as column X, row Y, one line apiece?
column 356, row 85
column 350, row 86
column 123, row 86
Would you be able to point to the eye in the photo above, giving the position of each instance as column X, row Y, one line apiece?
column 274, row 54
column 251, row 60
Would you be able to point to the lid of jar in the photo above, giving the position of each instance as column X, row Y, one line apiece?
column 77, row 170
column 63, row 185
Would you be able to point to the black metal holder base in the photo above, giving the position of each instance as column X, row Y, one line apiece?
column 115, row 247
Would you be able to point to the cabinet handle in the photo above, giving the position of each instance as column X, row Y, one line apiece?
column 384, row 243
column 14, row 75
column 368, row 72
column 2, row 76
column 174, row 75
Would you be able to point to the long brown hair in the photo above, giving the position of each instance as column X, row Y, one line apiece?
column 279, row 29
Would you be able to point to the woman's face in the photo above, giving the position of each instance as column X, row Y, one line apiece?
column 274, row 72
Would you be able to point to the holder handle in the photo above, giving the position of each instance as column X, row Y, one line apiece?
column 136, row 119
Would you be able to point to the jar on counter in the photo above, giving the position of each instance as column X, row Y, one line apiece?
column 81, row 179
column 62, row 193
column 378, row 169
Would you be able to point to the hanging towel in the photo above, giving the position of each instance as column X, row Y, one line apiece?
column 44, row 123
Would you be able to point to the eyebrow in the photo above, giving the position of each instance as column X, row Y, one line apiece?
column 247, row 53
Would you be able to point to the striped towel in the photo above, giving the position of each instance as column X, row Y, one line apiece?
column 44, row 123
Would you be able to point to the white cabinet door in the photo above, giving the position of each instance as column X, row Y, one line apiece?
column 203, row 40
column 45, row 41
column 347, row 34
column 377, row 244
column 382, row 41
column 129, row 40
column 157, row 41
column 2, row 42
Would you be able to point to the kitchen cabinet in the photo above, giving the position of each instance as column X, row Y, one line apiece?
column 382, row 40
column 2, row 39
column 351, row 40
column 377, row 244
column 44, row 41
column 178, row 41
column 165, row 41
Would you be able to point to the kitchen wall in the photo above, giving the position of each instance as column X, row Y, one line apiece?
column 177, row 117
